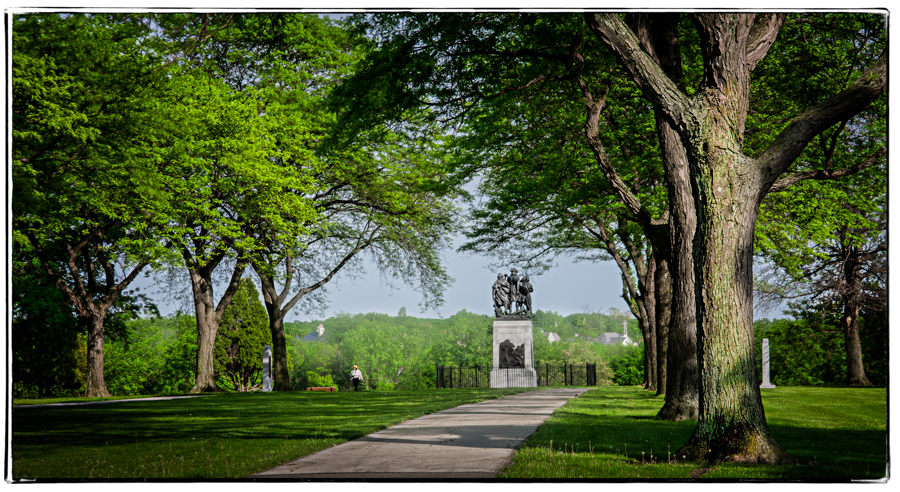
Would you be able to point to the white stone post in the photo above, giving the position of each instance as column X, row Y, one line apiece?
column 765, row 365
column 267, row 368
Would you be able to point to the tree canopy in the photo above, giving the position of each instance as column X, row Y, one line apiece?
column 720, row 155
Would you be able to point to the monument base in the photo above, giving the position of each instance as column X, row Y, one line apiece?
column 765, row 385
column 513, row 377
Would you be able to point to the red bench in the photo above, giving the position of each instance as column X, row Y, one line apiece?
column 322, row 388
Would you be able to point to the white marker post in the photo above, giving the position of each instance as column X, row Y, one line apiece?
column 765, row 365
column 267, row 368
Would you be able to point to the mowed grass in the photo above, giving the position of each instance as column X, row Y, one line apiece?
column 219, row 436
column 610, row 433
column 607, row 433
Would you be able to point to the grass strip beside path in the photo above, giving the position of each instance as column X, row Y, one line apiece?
column 610, row 433
column 219, row 436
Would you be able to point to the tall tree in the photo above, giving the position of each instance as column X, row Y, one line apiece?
column 714, row 187
column 245, row 109
column 824, row 239
column 83, row 90
column 728, row 186
column 319, row 208
column 841, row 260
column 517, row 90
column 219, row 150
column 243, row 333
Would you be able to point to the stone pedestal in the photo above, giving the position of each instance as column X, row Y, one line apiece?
column 518, row 333
column 765, row 365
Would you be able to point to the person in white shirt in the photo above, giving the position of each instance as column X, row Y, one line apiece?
column 355, row 377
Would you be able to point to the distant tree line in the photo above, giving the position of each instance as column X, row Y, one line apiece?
column 149, row 354
column 157, row 355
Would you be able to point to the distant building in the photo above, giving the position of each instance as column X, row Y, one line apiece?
column 615, row 339
column 316, row 336
column 553, row 337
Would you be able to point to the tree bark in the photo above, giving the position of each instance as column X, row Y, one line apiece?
column 209, row 314
column 856, row 373
column 648, row 295
column 207, row 326
column 95, row 380
column 682, row 392
column 732, row 423
column 726, row 188
column 663, row 290
column 90, row 307
column 658, row 35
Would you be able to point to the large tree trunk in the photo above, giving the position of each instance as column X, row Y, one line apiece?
column 95, row 381
column 648, row 298
column 209, row 315
column 658, row 35
column 856, row 373
column 732, row 423
column 682, row 392
column 207, row 326
column 663, row 290
column 727, row 189
column 281, row 378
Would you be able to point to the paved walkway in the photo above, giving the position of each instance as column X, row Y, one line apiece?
column 466, row 442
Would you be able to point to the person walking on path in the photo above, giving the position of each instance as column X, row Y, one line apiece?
column 355, row 377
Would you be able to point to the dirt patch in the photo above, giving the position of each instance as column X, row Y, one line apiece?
column 699, row 472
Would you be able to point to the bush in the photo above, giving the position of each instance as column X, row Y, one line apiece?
column 319, row 378
column 628, row 368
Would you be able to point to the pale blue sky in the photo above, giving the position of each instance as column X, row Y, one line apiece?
column 566, row 289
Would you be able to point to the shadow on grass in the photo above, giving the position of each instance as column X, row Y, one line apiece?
column 623, row 426
column 293, row 416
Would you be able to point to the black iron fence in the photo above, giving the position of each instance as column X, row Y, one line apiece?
column 542, row 374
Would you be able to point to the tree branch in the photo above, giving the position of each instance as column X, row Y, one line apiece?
column 762, row 35
column 789, row 180
column 656, row 86
column 790, row 143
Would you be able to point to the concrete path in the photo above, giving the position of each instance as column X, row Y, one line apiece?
column 466, row 442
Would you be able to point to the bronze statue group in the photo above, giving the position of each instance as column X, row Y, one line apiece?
column 511, row 289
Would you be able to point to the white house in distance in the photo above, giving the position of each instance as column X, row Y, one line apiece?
column 616, row 339
column 604, row 338
column 315, row 336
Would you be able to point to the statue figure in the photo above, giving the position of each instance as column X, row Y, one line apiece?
column 511, row 289
column 525, row 290
column 501, row 295
column 513, row 281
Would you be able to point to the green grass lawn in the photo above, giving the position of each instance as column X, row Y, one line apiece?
column 610, row 433
column 607, row 433
column 222, row 435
